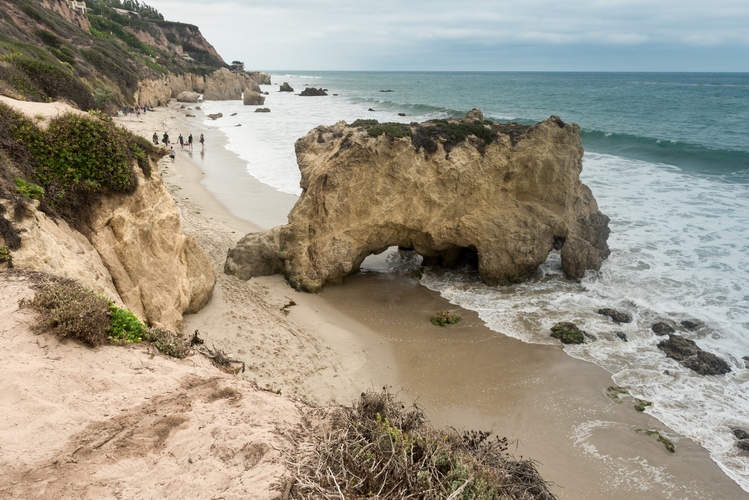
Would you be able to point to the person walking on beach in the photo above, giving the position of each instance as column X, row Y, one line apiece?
column 155, row 139
column 165, row 139
column 181, row 142
column 189, row 142
column 202, row 143
column 172, row 154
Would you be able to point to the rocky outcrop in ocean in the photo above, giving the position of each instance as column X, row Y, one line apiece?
column 505, row 195
column 253, row 99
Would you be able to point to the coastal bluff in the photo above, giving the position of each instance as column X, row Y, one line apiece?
column 501, row 195
column 130, row 247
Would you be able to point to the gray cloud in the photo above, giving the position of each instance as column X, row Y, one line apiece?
column 389, row 34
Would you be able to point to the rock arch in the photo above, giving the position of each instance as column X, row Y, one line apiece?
column 509, row 192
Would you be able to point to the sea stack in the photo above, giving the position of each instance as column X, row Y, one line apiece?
column 505, row 195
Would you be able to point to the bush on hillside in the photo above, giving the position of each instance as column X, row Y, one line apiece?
column 76, row 160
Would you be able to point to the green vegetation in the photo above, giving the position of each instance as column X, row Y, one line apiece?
column 29, row 189
column 452, row 133
column 615, row 391
column 431, row 134
column 71, row 311
column 5, row 257
column 46, row 57
column 124, row 326
column 667, row 443
column 444, row 318
column 642, row 404
column 74, row 161
column 44, row 79
column 167, row 342
column 381, row 449
column 568, row 333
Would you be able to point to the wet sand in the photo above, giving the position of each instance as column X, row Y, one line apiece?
column 555, row 409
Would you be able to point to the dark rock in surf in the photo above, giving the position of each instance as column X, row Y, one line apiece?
column 662, row 328
column 568, row 333
column 615, row 315
column 740, row 433
column 312, row 91
column 262, row 110
column 691, row 324
column 622, row 336
column 690, row 355
column 285, row 87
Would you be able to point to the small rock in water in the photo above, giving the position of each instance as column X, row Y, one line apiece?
column 622, row 336
column 740, row 433
column 743, row 445
column 691, row 324
column 615, row 315
column 568, row 333
column 689, row 354
column 662, row 328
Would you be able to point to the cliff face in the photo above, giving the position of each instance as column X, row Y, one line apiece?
column 221, row 85
column 133, row 251
column 509, row 197
column 130, row 247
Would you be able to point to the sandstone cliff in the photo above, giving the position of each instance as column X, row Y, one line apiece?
column 132, row 251
column 221, row 85
column 508, row 194
column 130, row 248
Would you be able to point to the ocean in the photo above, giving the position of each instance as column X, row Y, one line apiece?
column 667, row 159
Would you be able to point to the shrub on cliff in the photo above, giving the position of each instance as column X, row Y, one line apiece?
column 48, row 80
column 75, row 160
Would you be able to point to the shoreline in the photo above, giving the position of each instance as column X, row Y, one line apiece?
column 374, row 330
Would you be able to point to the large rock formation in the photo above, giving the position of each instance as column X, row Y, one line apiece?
column 253, row 98
column 508, row 193
column 159, row 272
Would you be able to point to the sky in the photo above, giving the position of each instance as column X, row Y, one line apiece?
column 473, row 35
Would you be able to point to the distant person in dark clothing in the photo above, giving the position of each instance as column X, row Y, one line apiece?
column 181, row 141
column 202, row 142
column 165, row 139
column 189, row 141
column 155, row 138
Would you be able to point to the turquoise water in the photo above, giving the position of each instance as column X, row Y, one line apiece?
column 667, row 159
column 699, row 121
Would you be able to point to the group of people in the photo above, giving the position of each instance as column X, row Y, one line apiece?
column 182, row 143
column 129, row 110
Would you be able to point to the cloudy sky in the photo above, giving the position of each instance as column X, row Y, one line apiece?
column 481, row 35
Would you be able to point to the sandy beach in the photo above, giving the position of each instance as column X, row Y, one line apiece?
column 374, row 330
column 126, row 423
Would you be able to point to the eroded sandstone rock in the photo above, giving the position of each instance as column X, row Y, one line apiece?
column 188, row 96
column 509, row 197
column 253, row 99
column 159, row 272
